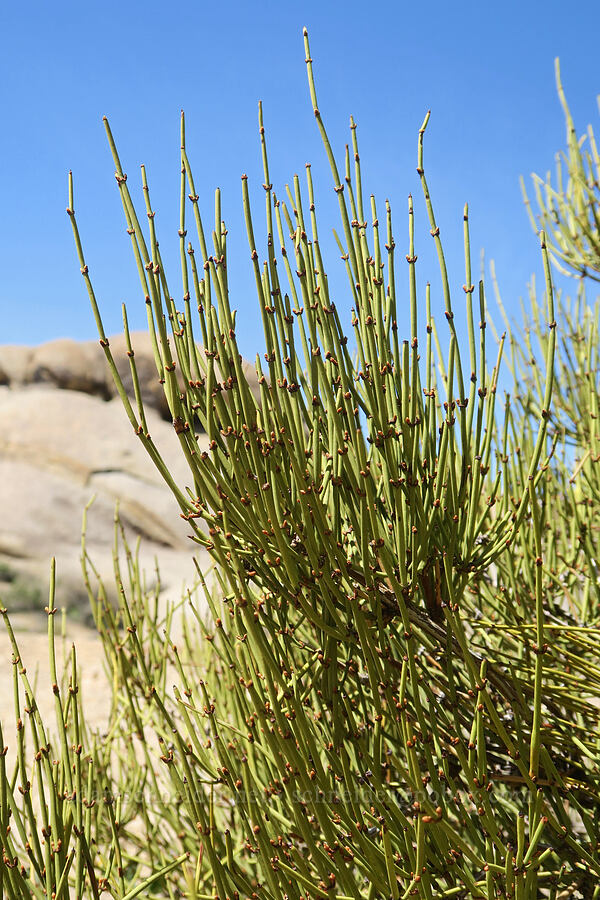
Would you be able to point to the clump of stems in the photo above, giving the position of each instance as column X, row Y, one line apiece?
column 395, row 691
column 569, row 210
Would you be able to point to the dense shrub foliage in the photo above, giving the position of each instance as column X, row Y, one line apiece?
column 395, row 692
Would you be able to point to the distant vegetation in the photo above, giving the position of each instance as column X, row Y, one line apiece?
column 18, row 593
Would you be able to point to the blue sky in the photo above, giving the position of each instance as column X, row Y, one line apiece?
column 485, row 70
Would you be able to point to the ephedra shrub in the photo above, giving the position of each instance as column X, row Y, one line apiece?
column 397, row 689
